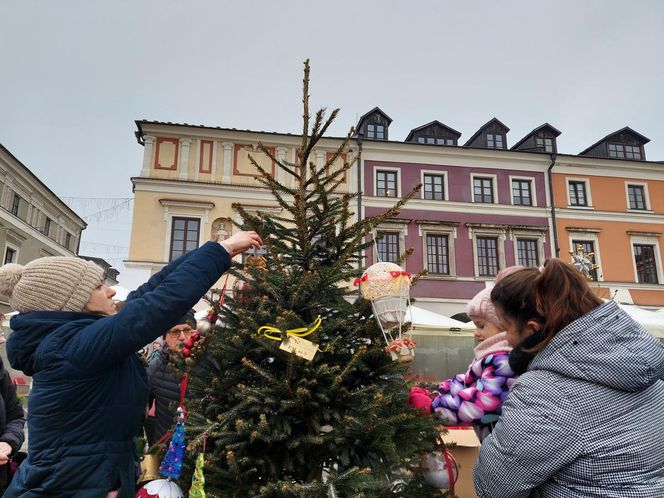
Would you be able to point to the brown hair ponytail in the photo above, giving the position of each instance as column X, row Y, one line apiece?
column 554, row 297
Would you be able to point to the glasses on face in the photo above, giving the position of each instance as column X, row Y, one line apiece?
column 174, row 334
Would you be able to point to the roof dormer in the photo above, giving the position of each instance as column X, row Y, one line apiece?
column 541, row 139
column 493, row 135
column 622, row 144
column 434, row 133
column 374, row 124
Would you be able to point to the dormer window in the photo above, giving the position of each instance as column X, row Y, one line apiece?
column 494, row 141
column 544, row 143
column 376, row 131
column 435, row 141
column 621, row 151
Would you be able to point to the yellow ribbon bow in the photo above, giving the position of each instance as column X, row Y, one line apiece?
column 276, row 334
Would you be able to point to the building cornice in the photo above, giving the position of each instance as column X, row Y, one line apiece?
column 594, row 215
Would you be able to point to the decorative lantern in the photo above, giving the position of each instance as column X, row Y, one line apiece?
column 242, row 289
column 161, row 488
column 387, row 286
column 440, row 470
column 583, row 261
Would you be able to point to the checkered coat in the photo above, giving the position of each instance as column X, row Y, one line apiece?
column 585, row 420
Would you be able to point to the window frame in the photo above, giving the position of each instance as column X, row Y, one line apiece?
column 652, row 271
column 378, row 169
column 647, row 239
column 10, row 247
column 494, row 186
column 380, row 238
column 592, row 237
column 493, row 139
column 427, row 254
column 47, row 226
column 533, row 189
column 443, row 174
column 16, row 204
column 171, row 232
column 646, row 196
column 485, row 232
column 374, row 131
column 588, row 194
column 544, row 144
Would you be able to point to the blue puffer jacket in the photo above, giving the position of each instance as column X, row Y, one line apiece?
column 90, row 390
column 585, row 420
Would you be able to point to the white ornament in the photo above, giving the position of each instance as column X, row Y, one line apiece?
column 436, row 473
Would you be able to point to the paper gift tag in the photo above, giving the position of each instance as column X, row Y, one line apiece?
column 300, row 347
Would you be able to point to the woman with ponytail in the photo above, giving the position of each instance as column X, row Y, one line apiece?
column 586, row 416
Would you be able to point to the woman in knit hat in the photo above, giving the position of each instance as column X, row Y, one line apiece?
column 476, row 396
column 89, row 386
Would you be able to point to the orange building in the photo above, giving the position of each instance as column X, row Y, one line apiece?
column 610, row 200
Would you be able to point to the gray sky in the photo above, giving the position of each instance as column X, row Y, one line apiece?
column 75, row 74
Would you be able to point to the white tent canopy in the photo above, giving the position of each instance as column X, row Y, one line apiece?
column 653, row 322
column 425, row 319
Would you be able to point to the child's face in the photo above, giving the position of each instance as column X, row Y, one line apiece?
column 483, row 329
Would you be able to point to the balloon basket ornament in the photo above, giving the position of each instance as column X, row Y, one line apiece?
column 440, row 470
column 387, row 287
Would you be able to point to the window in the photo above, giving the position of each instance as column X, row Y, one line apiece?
column 621, row 151
column 521, row 193
column 10, row 255
column 376, row 131
column 68, row 240
column 494, row 141
column 388, row 246
column 483, row 190
column 438, row 260
column 386, row 183
column 15, row 204
column 434, row 187
column 526, row 250
column 646, row 268
column 47, row 226
column 588, row 247
column 636, row 195
column 184, row 236
column 544, row 143
column 434, row 140
column 632, row 152
column 577, row 193
column 487, row 256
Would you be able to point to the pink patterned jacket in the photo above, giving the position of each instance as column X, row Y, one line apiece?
column 476, row 397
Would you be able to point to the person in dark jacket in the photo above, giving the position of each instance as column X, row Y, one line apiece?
column 585, row 417
column 12, row 424
column 89, row 386
column 164, row 384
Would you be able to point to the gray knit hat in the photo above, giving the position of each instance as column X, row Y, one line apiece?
column 50, row 284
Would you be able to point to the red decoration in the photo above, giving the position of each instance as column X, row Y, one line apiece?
column 188, row 343
column 186, row 352
column 195, row 336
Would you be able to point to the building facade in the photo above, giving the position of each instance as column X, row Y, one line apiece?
column 34, row 222
column 191, row 177
column 483, row 205
column 610, row 200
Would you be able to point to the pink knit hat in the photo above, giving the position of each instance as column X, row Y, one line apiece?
column 481, row 306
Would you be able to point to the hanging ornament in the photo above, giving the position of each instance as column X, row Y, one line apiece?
column 243, row 291
column 387, row 286
column 171, row 465
column 583, row 261
column 440, row 470
column 161, row 488
column 197, row 489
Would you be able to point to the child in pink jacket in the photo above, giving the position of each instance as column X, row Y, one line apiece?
column 475, row 397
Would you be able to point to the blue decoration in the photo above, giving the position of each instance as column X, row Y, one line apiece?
column 171, row 465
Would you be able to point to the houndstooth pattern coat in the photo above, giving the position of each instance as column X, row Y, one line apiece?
column 585, row 420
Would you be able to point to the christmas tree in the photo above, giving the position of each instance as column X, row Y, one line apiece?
column 274, row 423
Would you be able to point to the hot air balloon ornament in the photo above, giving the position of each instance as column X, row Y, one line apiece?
column 387, row 286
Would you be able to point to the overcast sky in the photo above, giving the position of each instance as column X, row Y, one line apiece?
column 75, row 74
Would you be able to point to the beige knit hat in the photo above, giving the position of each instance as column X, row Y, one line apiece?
column 50, row 284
